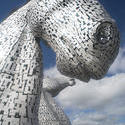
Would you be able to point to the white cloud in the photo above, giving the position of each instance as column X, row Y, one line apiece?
column 52, row 72
column 105, row 97
column 93, row 94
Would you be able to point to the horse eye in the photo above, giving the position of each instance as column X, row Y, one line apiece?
column 104, row 33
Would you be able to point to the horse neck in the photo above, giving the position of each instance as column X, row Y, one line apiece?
column 10, row 32
column 20, row 70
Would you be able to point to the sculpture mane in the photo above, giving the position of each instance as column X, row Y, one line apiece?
column 86, row 42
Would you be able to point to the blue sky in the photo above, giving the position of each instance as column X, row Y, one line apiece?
column 97, row 102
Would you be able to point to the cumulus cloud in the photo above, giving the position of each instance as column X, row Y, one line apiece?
column 93, row 94
column 105, row 97
column 52, row 72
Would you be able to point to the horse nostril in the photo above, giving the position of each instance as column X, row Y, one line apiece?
column 86, row 49
column 105, row 33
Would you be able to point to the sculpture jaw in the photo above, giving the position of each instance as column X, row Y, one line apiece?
column 74, row 73
column 82, row 71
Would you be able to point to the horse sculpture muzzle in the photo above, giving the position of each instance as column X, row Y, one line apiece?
column 94, row 56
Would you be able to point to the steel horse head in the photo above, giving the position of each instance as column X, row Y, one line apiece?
column 81, row 32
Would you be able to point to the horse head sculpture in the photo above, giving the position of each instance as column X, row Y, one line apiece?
column 86, row 42
column 83, row 35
